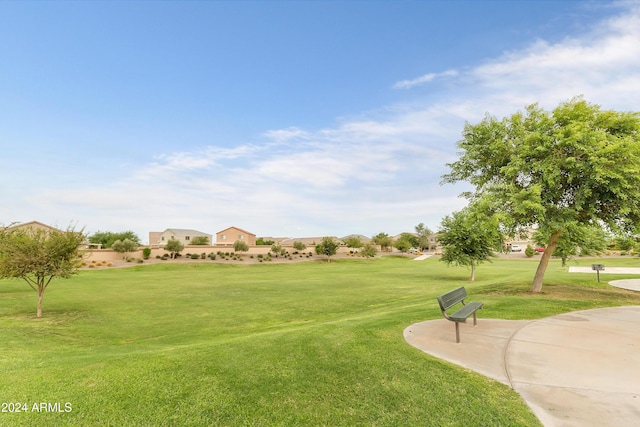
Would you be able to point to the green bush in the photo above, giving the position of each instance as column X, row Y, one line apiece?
column 529, row 251
column 146, row 253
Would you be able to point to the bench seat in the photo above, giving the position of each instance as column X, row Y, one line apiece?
column 454, row 297
column 466, row 311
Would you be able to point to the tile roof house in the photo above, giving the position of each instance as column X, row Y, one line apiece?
column 229, row 235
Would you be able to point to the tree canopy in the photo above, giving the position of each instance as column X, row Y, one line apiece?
column 354, row 242
column 199, row 241
column 469, row 237
column 38, row 256
column 328, row 246
column 423, row 232
column 405, row 242
column 174, row 247
column 124, row 247
column 383, row 240
column 577, row 164
column 240, row 246
column 107, row 238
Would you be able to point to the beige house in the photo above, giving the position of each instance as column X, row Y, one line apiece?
column 34, row 225
column 184, row 235
column 229, row 235
column 37, row 225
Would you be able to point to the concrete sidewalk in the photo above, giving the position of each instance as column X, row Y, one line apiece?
column 575, row 369
column 607, row 270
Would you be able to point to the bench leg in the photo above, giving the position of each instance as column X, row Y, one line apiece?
column 457, row 332
column 475, row 321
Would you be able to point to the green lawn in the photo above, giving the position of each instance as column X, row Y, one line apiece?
column 262, row 345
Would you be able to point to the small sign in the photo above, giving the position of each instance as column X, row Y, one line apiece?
column 598, row 268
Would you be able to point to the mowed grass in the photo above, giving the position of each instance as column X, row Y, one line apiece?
column 267, row 345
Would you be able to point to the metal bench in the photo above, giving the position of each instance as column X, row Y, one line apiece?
column 448, row 300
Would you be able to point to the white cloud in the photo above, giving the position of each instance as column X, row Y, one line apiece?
column 425, row 78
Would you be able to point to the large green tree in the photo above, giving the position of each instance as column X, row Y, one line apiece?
column 577, row 164
column 38, row 256
column 470, row 237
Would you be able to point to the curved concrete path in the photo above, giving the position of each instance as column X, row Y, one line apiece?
column 631, row 284
column 574, row 369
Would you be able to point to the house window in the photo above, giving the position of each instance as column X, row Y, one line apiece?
column 162, row 238
column 240, row 237
column 223, row 237
column 187, row 237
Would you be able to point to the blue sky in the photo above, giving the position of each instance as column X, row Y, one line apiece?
column 284, row 118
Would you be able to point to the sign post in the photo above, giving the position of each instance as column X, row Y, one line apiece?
column 598, row 268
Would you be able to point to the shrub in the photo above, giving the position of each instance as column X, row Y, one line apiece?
column 529, row 251
column 195, row 256
column 146, row 253
column 203, row 255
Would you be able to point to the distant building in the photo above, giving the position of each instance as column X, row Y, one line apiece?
column 34, row 225
column 37, row 225
column 184, row 235
column 229, row 235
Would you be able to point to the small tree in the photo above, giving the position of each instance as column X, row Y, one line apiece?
column 299, row 246
column 354, row 242
column 529, row 251
column 327, row 247
column 38, row 256
column 403, row 245
column 125, row 247
column 174, row 247
column 240, row 246
column 146, row 253
column 423, row 232
column 199, row 241
column 368, row 251
column 469, row 238
column 384, row 241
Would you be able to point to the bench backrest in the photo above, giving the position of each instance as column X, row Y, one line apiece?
column 452, row 298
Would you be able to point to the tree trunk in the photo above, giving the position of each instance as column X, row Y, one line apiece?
column 473, row 272
column 544, row 261
column 39, row 309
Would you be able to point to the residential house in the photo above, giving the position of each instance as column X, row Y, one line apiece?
column 37, row 225
column 229, row 235
column 184, row 235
